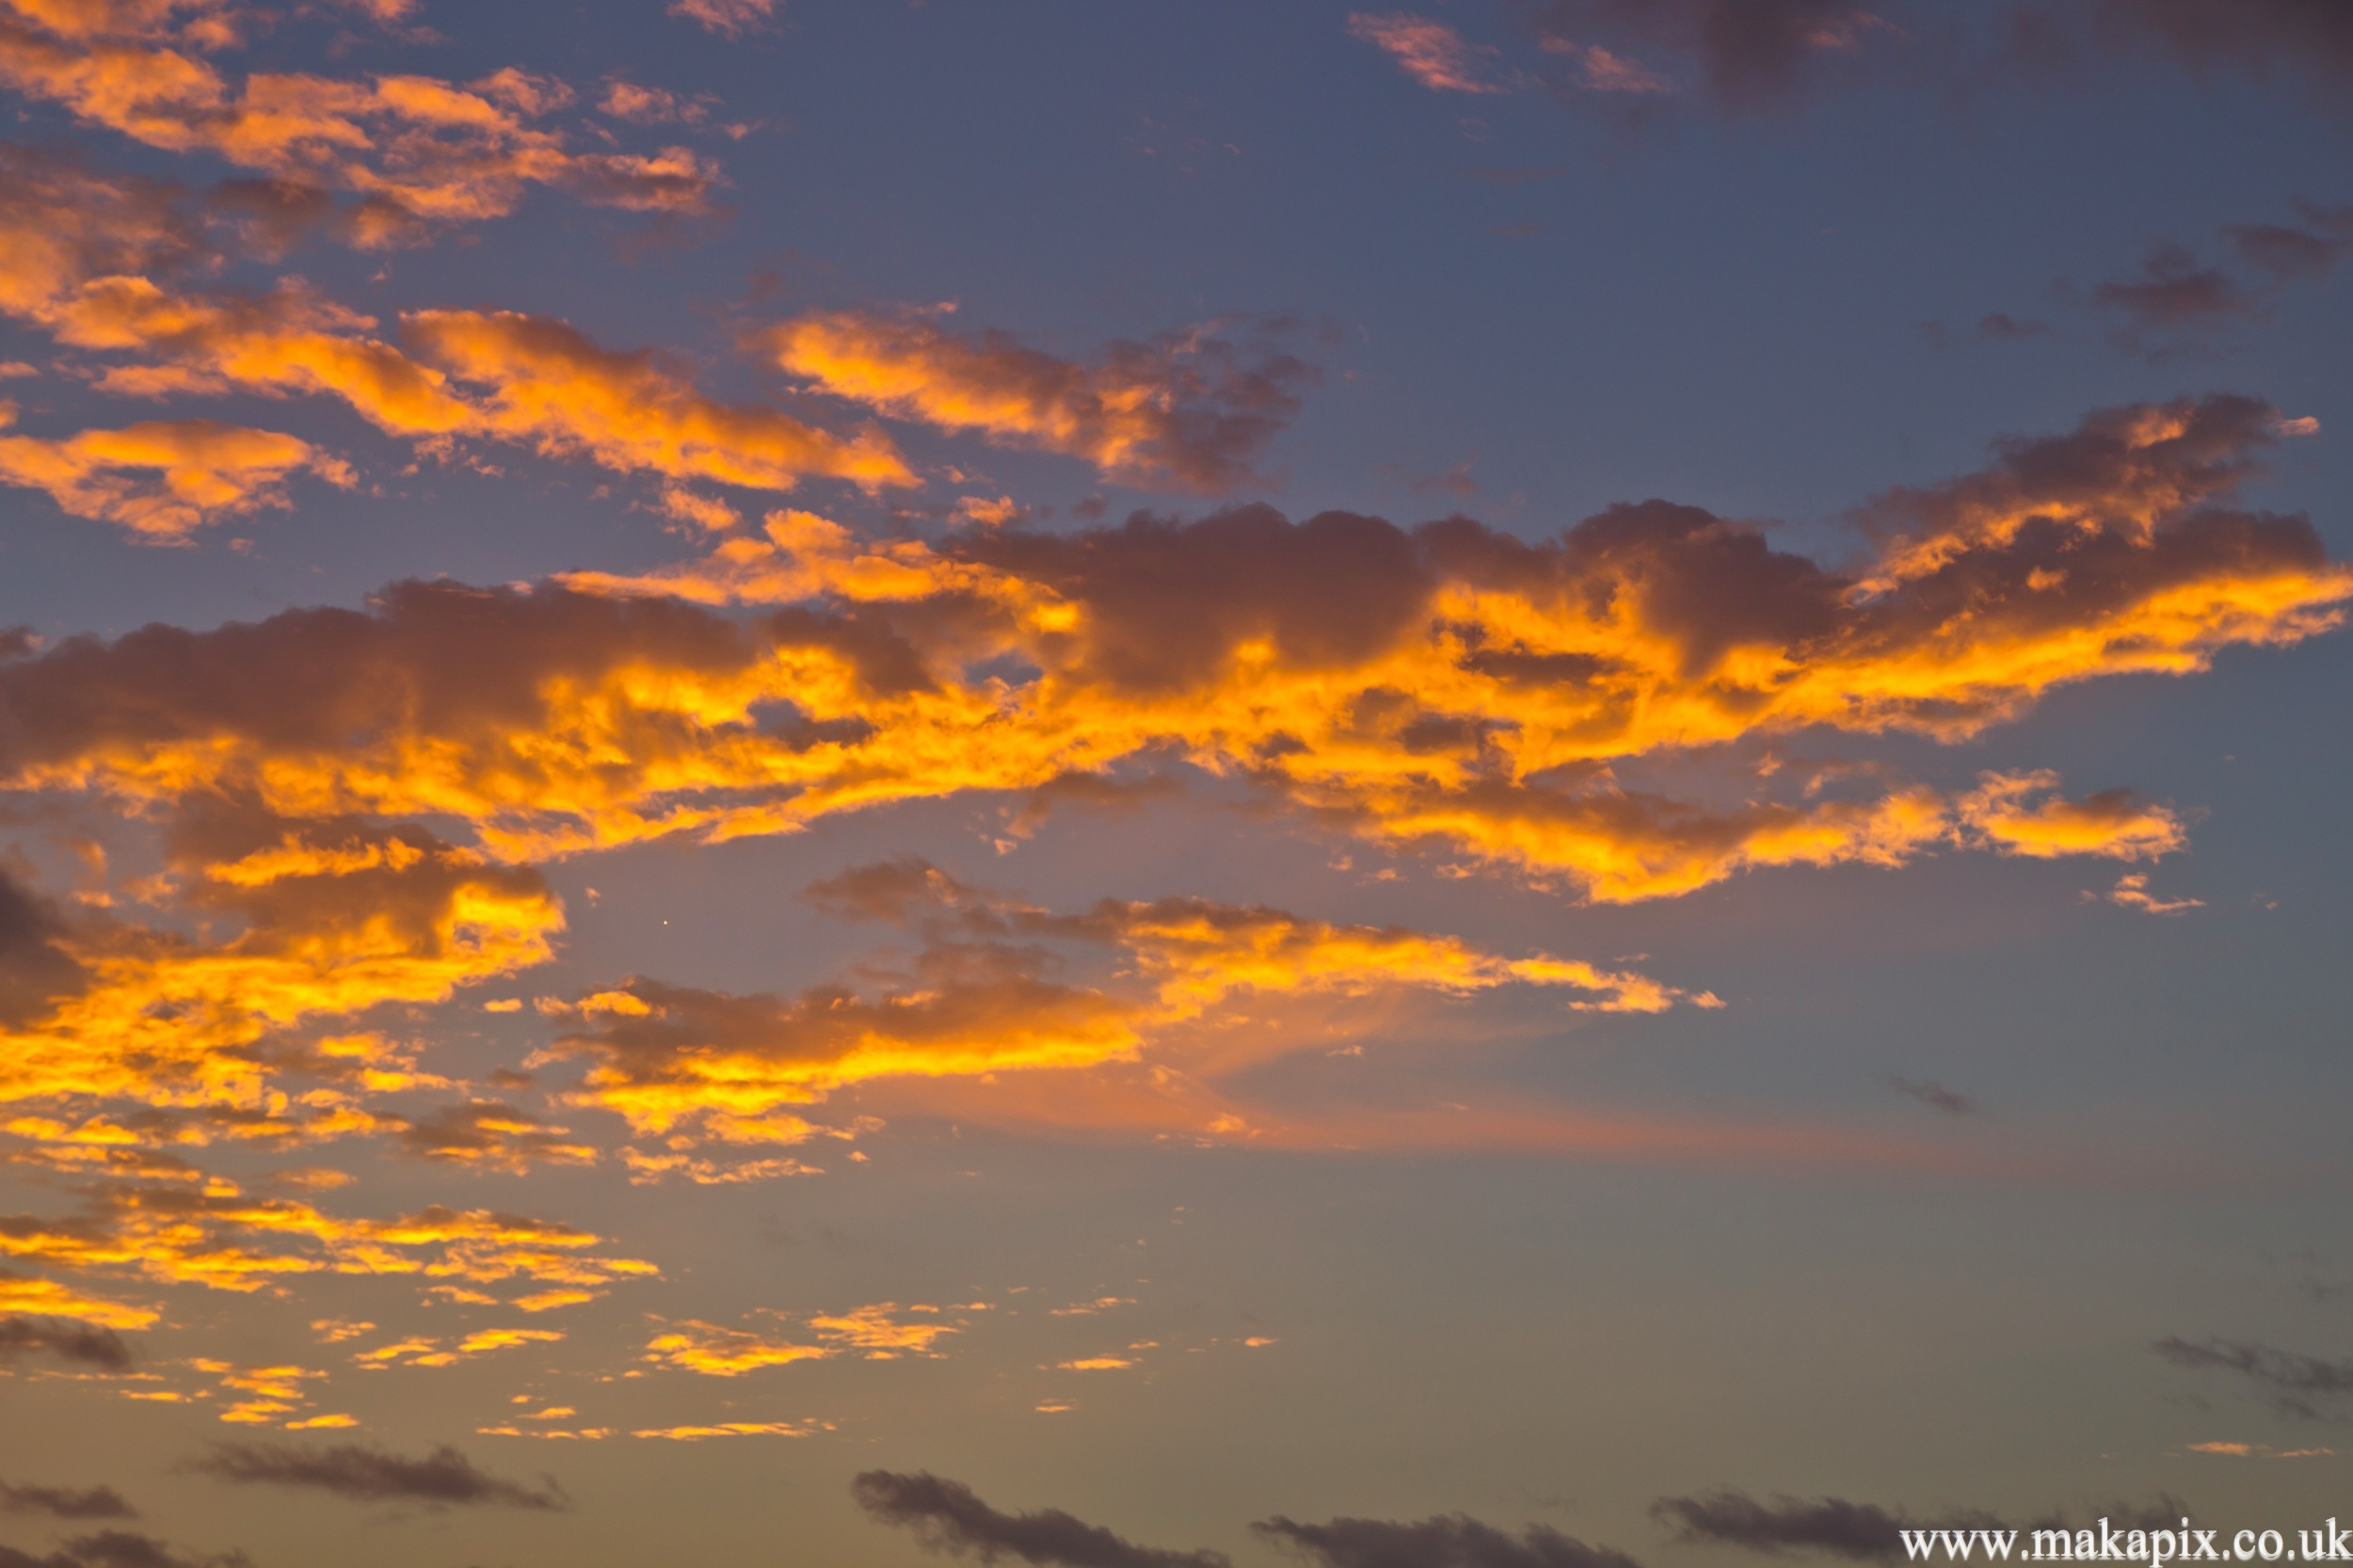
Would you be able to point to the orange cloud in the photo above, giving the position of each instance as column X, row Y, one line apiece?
column 1450, row 688
column 2111, row 823
column 1430, row 52
column 1181, row 412
column 724, row 1353
column 546, row 384
column 418, row 151
column 74, row 258
column 1168, row 986
column 102, row 1009
column 732, row 18
column 225, row 1239
column 46, row 1298
column 162, row 479
column 735, row 1429
column 2131, row 892
column 882, row 1336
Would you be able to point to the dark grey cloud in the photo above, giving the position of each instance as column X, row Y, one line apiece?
column 1934, row 1095
column 1742, row 55
column 1861, row 1532
column 2293, row 1379
column 371, row 1475
column 35, row 971
column 489, row 1135
column 117, row 1549
column 1745, row 56
column 2309, row 39
column 68, row 1341
column 947, row 1516
column 65, row 1502
column 2178, row 295
column 1448, row 1541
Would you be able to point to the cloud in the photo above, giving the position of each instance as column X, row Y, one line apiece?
column 546, row 384
column 2131, row 892
column 1832, row 1526
column 1448, row 690
column 1187, row 411
column 2113, row 824
column 947, row 1516
column 420, row 153
column 337, row 917
column 1745, row 55
column 68, row 1341
column 444, row 1476
column 162, row 479
column 2176, row 298
column 119, row 1550
column 1429, row 51
column 2293, row 1379
column 1935, row 1097
column 85, row 267
column 985, row 997
column 1863, row 1532
column 490, row 1135
column 65, row 1502
column 2310, row 37
column 47, row 1298
column 718, row 1351
column 731, row 18
column 219, row 1237
column 1447, row 1541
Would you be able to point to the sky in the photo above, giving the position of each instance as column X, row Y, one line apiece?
column 1519, row 784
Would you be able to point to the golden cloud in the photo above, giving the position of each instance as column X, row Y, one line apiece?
column 162, row 479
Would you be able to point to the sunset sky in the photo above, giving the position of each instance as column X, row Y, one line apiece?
column 1524, row 784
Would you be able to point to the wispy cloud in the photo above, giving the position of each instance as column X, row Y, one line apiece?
column 1432, row 53
column 442, row 1476
column 948, row 1516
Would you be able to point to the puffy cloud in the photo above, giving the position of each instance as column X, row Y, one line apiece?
column 443, row 1476
column 1429, row 51
column 2112, row 822
column 1186, row 411
column 948, row 1516
column 1448, row 1541
column 1448, row 687
column 162, row 479
column 333, row 925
